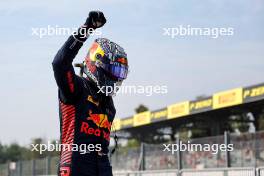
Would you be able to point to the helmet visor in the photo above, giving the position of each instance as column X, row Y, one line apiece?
column 119, row 71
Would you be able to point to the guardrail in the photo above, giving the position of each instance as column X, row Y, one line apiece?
column 149, row 173
column 245, row 171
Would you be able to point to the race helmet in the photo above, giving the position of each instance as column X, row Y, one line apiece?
column 106, row 65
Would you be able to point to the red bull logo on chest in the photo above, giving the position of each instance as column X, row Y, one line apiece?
column 101, row 120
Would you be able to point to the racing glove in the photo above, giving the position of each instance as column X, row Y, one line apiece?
column 94, row 20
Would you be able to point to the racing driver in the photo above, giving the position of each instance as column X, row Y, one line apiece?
column 86, row 114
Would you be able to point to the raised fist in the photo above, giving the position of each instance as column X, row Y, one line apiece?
column 95, row 19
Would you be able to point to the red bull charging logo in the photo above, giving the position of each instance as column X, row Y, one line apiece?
column 101, row 120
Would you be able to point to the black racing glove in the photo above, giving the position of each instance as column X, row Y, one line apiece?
column 95, row 20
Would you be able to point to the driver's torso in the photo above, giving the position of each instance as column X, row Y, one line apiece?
column 85, row 121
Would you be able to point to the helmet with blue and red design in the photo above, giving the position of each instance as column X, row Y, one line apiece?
column 106, row 64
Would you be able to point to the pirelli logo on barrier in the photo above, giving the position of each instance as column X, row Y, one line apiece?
column 201, row 105
column 127, row 122
column 227, row 98
column 159, row 115
column 253, row 93
column 116, row 124
column 178, row 110
column 142, row 118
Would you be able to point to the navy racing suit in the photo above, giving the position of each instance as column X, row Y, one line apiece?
column 85, row 117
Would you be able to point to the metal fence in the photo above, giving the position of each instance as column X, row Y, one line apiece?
column 46, row 166
column 248, row 152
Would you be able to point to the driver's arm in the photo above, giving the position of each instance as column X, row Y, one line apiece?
column 64, row 74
